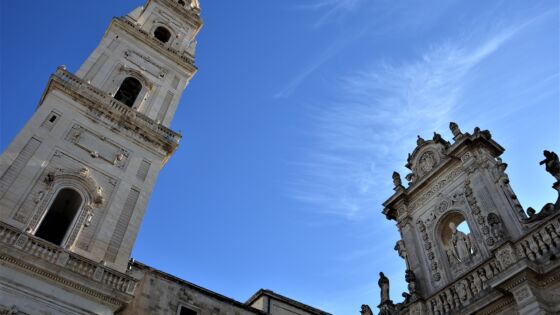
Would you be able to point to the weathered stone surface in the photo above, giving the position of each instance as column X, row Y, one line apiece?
column 502, row 262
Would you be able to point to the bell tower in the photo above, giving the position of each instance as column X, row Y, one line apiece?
column 75, row 182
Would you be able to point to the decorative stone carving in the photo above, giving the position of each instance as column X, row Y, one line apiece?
column 397, row 180
column 366, row 310
column 455, row 130
column 506, row 256
column 427, row 161
column 496, row 226
column 98, row 146
column 145, row 63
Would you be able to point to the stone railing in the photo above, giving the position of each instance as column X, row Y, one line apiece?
column 184, row 56
column 539, row 246
column 541, row 243
column 49, row 253
column 80, row 86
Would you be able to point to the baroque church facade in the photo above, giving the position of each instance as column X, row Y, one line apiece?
column 469, row 246
column 75, row 182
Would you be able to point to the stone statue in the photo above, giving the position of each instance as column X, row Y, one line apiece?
column 552, row 164
column 420, row 140
column 384, row 286
column 397, row 180
column 366, row 310
column 455, row 130
column 461, row 246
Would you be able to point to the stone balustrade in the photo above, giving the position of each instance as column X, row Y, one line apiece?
column 81, row 86
column 49, row 253
column 539, row 245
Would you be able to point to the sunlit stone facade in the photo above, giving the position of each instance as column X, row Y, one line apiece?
column 469, row 246
column 75, row 182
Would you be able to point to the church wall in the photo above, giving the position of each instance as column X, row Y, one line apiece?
column 160, row 293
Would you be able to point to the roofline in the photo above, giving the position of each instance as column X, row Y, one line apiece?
column 279, row 297
column 200, row 289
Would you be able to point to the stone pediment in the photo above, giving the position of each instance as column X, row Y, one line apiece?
column 427, row 155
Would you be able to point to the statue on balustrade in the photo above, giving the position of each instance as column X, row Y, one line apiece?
column 552, row 164
column 384, row 286
column 366, row 310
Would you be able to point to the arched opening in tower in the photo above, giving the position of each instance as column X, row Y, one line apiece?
column 162, row 34
column 128, row 91
column 60, row 216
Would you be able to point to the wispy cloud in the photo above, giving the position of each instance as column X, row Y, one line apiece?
column 380, row 110
column 330, row 9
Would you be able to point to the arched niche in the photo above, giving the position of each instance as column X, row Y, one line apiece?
column 455, row 239
column 65, row 186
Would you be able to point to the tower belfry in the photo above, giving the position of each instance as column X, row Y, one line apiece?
column 75, row 182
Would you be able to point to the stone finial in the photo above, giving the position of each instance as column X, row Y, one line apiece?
column 420, row 140
column 397, row 180
column 455, row 130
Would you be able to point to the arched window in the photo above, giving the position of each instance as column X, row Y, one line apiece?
column 162, row 34
column 60, row 216
column 129, row 90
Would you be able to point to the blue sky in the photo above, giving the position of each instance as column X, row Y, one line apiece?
column 299, row 114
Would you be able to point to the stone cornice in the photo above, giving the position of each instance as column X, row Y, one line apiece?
column 183, row 59
column 143, row 127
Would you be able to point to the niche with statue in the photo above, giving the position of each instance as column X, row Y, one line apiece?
column 457, row 243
